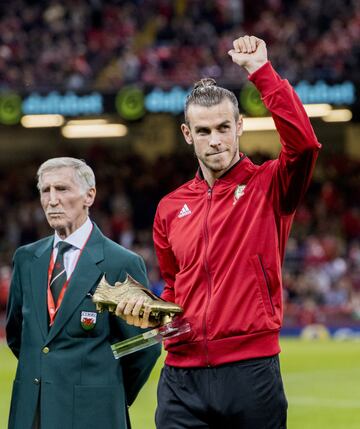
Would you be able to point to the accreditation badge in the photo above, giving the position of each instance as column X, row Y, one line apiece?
column 88, row 320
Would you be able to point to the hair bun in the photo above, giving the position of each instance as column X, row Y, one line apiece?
column 203, row 83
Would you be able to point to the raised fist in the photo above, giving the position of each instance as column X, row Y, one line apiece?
column 249, row 52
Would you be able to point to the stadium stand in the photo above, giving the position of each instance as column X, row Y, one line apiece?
column 86, row 44
column 90, row 44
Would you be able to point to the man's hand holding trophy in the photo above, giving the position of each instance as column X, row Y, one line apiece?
column 161, row 314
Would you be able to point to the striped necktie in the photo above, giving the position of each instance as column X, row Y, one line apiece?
column 58, row 277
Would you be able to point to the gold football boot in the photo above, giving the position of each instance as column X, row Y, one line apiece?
column 107, row 297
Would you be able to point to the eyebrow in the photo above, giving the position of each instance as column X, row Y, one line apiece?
column 56, row 185
column 204, row 127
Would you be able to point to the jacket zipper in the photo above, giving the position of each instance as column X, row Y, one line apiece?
column 207, row 270
column 267, row 285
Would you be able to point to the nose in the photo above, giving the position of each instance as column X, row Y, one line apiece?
column 53, row 200
column 214, row 140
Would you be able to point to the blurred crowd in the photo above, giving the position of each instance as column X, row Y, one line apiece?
column 93, row 44
column 322, row 263
column 321, row 273
column 87, row 44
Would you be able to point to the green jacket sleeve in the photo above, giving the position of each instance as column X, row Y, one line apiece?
column 14, row 310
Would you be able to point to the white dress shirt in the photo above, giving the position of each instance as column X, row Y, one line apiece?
column 78, row 240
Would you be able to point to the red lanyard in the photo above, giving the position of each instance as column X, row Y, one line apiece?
column 52, row 308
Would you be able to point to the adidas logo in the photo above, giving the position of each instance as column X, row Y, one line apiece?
column 185, row 211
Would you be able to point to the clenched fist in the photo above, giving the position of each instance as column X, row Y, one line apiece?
column 249, row 52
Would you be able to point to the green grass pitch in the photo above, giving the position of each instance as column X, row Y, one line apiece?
column 322, row 383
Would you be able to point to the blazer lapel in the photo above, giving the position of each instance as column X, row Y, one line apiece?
column 84, row 277
column 39, row 280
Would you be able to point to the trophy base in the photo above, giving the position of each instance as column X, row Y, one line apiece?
column 149, row 338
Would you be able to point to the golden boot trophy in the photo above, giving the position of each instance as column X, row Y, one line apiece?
column 107, row 297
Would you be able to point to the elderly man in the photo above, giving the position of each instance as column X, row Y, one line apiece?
column 66, row 375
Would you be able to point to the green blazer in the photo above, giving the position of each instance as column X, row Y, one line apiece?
column 70, row 372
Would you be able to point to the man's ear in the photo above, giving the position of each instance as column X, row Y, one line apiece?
column 89, row 197
column 187, row 133
column 239, row 126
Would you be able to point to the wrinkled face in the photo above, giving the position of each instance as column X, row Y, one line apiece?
column 214, row 132
column 64, row 201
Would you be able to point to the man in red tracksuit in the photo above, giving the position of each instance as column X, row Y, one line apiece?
column 220, row 240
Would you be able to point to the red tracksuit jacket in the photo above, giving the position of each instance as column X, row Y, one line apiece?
column 220, row 249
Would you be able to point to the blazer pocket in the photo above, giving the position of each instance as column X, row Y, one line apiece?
column 263, row 284
column 99, row 407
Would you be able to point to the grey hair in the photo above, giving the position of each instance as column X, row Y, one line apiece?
column 83, row 173
column 207, row 94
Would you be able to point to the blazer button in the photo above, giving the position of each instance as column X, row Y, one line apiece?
column 36, row 381
column 46, row 350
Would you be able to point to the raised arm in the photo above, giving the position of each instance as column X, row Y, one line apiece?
column 292, row 171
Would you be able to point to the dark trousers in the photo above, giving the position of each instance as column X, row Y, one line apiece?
column 242, row 395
